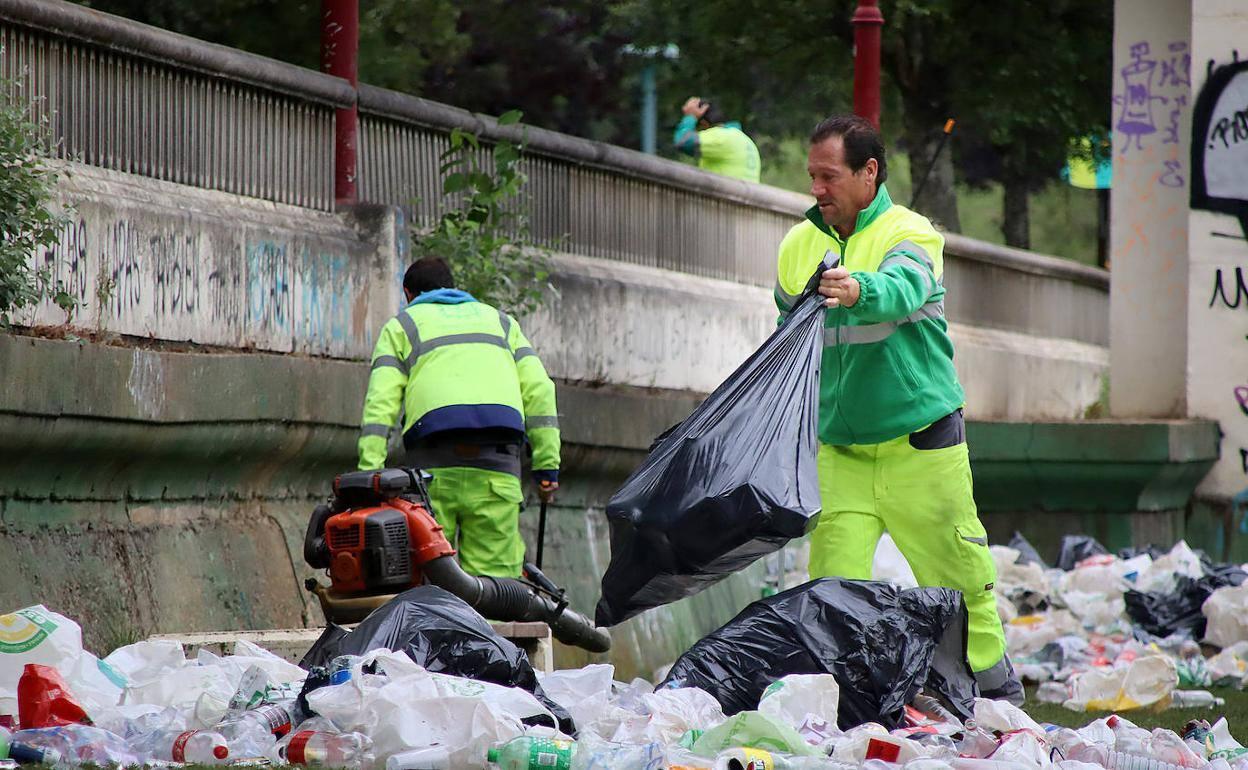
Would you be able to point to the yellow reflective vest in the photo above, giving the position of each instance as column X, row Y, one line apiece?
column 452, row 363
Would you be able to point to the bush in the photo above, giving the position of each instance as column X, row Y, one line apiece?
column 485, row 234
column 28, row 220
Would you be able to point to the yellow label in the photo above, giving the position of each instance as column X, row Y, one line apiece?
column 23, row 630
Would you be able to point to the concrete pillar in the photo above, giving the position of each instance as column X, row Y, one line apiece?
column 1151, row 121
column 1217, row 323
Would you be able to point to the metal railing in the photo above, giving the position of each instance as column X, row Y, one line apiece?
column 134, row 98
column 129, row 97
column 584, row 197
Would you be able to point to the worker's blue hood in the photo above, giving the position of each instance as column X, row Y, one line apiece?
column 443, row 297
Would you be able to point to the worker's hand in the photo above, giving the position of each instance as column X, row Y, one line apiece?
column 695, row 106
column 546, row 490
column 839, row 287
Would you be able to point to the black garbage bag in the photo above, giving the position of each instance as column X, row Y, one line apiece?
column 882, row 643
column 735, row 481
column 1027, row 553
column 1076, row 548
column 1130, row 552
column 440, row 632
column 1165, row 613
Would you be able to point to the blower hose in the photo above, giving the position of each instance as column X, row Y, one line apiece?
column 511, row 599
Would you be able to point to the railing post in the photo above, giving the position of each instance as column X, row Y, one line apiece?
column 867, row 23
column 340, row 44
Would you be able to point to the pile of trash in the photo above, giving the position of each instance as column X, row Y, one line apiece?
column 831, row 675
column 1113, row 632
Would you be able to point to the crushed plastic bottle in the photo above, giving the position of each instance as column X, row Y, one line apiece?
column 253, row 733
column 25, row 754
column 321, row 749
column 531, row 753
column 202, row 747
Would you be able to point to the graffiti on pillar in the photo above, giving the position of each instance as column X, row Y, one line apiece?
column 1220, row 142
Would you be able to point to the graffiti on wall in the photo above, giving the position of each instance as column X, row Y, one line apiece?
column 175, row 279
column 1155, row 86
column 1220, row 142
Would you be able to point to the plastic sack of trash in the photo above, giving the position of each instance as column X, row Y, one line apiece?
column 735, row 481
column 1179, row 611
column 1076, row 548
column 1027, row 553
column 1226, row 613
column 883, row 644
column 441, row 633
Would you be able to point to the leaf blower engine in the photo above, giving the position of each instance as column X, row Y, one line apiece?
column 377, row 537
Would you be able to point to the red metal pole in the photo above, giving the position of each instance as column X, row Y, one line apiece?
column 867, row 23
column 340, row 46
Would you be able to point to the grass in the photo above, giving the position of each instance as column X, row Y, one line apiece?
column 1235, row 711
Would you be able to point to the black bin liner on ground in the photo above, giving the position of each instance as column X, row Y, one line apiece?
column 1162, row 614
column 440, row 632
column 735, row 481
column 882, row 643
column 1027, row 553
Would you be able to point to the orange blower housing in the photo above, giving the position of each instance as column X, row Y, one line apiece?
column 377, row 535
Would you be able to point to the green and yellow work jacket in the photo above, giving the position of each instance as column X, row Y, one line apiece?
column 452, row 363
column 723, row 149
column 887, row 367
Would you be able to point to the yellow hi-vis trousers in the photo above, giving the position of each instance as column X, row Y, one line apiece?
column 923, row 498
column 479, row 511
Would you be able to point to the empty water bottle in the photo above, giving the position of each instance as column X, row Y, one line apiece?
column 530, row 753
column 1194, row 699
column 202, row 747
column 312, row 747
column 253, row 733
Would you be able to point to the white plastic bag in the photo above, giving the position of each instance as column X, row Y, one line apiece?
column 1004, row 717
column 806, row 702
column 1227, row 613
column 38, row 635
column 890, row 565
column 1145, row 681
column 669, row 714
column 584, row 692
column 148, row 660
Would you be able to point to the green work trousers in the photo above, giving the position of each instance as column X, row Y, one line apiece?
column 479, row 511
column 923, row 498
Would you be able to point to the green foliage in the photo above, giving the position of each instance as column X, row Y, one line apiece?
column 484, row 232
column 28, row 220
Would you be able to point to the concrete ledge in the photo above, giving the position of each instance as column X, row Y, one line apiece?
column 1102, row 466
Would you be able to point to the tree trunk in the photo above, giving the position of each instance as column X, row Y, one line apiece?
column 1015, row 219
column 937, row 200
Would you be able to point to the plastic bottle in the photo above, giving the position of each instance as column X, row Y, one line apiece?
column 24, row 753
column 253, row 733
column 976, row 741
column 1194, row 699
column 201, row 747
column 312, row 747
column 1117, row 760
column 748, row 759
column 431, row 758
column 530, row 753
column 340, row 669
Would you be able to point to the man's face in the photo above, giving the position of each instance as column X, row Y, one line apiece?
column 840, row 192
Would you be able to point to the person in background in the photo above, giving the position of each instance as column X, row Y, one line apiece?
column 473, row 390
column 720, row 146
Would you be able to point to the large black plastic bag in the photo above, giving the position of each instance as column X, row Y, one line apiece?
column 1178, row 612
column 735, row 481
column 441, row 633
column 882, row 643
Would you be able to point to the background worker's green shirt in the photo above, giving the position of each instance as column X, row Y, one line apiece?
column 887, row 366
column 723, row 149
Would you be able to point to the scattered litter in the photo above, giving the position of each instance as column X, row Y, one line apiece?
column 831, row 675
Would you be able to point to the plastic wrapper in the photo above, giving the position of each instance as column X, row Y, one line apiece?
column 44, row 699
column 1076, row 548
column 585, row 693
column 806, row 702
column 667, row 714
column 882, row 644
column 1143, row 682
column 734, row 481
column 750, row 729
column 442, row 634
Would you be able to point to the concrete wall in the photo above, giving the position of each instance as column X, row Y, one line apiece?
column 153, row 259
